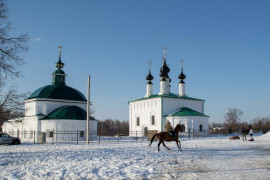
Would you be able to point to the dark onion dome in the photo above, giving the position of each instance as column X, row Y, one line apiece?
column 149, row 78
column 58, row 92
column 59, row 64
column 68, row 112
column 182, row 76
column 164, row 70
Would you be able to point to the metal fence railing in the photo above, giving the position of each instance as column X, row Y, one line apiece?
column 79, row 137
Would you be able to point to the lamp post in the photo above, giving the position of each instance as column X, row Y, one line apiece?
column 88, row 114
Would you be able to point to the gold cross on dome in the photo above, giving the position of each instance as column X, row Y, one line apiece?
column 60, row 47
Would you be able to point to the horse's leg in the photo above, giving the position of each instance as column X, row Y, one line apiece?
column 165, row 146
column 159, row 145
column 177, row 143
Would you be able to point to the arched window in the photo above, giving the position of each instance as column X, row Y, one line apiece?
column 138, row 121
column 201, row 127
column 183, row 129
column 153, row 120
column 51, row 133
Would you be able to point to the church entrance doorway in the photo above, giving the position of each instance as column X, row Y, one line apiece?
column 145, row 132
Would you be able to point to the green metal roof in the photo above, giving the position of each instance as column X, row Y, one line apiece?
column 58, row 71
column 58, row 92
column 171, row 95
column 68, row 112
column 184, row 111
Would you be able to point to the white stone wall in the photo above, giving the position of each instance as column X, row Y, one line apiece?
column 171, row 105
column 66, row 130
column 46, row 106
column 182, row 89
column 165, row 87
column 190, row 122
column 13, row 128
column 28, row 126
column 30, row 108
column 149, row 90
column 144, row 110
column 28, row 129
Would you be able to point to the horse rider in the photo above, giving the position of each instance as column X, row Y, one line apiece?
column 169, row 128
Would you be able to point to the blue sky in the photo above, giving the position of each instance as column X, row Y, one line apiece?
column 225, row 46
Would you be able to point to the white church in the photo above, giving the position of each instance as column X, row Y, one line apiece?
column 151, row 112
column 56, row 111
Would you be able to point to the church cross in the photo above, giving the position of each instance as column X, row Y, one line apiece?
column 60, row 47
column 164, row 48
column 182, row 61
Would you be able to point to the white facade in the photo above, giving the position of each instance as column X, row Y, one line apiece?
column 144, row 110
column 153, row 114
column 28, row 127
column 45, row 106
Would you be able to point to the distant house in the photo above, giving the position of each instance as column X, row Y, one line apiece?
column 151, row 112
column 218, row 129
column 53, row 109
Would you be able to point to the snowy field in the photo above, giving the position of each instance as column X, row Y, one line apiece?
column 209, row 158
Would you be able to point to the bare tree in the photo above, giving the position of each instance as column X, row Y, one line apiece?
column 111, row 127
column 233, row 118
column 10, row 46
column 11, row 104
column 261, row 124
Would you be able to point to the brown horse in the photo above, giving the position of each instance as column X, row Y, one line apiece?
column 165, row 136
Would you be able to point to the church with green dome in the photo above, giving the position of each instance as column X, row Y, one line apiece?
column 53, row 108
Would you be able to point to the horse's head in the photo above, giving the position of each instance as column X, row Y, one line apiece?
column 180, row 127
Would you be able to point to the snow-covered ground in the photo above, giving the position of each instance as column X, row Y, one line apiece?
column 209, row 158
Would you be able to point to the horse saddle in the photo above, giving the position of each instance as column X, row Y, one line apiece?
column 172, row 133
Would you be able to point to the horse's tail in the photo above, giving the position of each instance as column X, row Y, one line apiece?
column 153, row 139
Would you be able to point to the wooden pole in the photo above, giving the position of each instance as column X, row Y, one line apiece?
column 88, row 107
